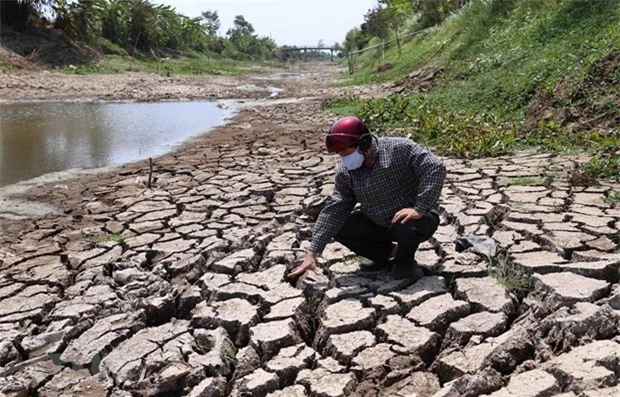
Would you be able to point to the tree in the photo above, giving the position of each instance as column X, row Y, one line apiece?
column 244, row 41
column 114, row 25
column 321, row 43
column 377, row 23
column 19, row 13
column 355, row 39
column 339, row 49
column 82, row 18
column 433, row 12
column 241, row 27
column 396, row 13
column 211, row 22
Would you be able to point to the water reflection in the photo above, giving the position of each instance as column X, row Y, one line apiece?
column 37, row 138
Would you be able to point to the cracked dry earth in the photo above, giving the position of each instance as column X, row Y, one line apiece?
column 180, row 289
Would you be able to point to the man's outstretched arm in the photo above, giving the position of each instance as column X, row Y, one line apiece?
column 330, row 221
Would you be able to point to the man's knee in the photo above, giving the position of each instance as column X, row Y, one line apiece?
column 405, row 235
column 357, row 226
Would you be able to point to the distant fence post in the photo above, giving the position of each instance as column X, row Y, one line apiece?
column 350, row 58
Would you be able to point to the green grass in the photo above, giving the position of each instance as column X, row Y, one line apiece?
column 8, row 69
column 228, row 354
column 467, row 133
column 613, row 198
column 504, row 63
column 356, row 259
column 601, row 166
column 507, row 275
column 498, row 55
column 113, row 237
column 112, row 64
column 546, row 181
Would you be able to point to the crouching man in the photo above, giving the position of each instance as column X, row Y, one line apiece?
column 397, row 184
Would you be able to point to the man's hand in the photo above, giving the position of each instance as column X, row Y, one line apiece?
column 405, row 215
column 309, row 263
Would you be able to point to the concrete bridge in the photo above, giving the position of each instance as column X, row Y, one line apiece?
column 306, row 48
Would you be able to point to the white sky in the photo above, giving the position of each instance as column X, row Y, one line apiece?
column 292, row 22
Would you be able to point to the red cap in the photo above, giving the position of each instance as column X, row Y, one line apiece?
column 345, row 133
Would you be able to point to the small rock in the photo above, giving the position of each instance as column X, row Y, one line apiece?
column 423, row 289
column 248, row 361
column 341, row 317
column 373, row 358
column 586, row 367
column 579, row 323
column 605, row 392
column 291, row 391
column 384, row 305
column 420, row 384
column 235, row 315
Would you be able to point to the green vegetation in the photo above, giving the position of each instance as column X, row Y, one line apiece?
column 507, row 275
column 601, row 165
column 546, row 181
column 356, row 259
column 111, row 64
column 613, row 198
column 504, row 75
column 113, row 237
column 228, row 354
column 121, row 26
column 469, row 134
column 141, row 29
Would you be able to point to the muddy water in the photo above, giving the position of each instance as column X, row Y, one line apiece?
column 42, row 137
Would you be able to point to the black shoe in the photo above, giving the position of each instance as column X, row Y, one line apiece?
column 375, row 266
column 404, row 270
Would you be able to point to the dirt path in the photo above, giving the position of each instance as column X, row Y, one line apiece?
column 180, row 289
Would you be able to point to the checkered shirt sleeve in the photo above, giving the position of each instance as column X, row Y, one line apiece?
column 431, row 173
column 335, row 213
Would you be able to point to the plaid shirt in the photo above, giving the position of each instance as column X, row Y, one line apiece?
column 403, row 174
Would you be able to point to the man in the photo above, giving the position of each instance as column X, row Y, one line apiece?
column 397, row 184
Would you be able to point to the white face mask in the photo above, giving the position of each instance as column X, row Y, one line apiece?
column 353, row 161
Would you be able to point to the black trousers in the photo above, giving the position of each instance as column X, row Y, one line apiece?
column 367, row 239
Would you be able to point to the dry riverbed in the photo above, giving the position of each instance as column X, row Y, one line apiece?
column 180, row 289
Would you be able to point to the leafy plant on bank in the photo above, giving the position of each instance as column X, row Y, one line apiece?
column 613, row 198
column 458, row 134
column 470, row 134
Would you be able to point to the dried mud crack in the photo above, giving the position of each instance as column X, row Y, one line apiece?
column 181, row 290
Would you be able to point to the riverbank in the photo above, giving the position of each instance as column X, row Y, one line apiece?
column 54, row 85
column 180, row 288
